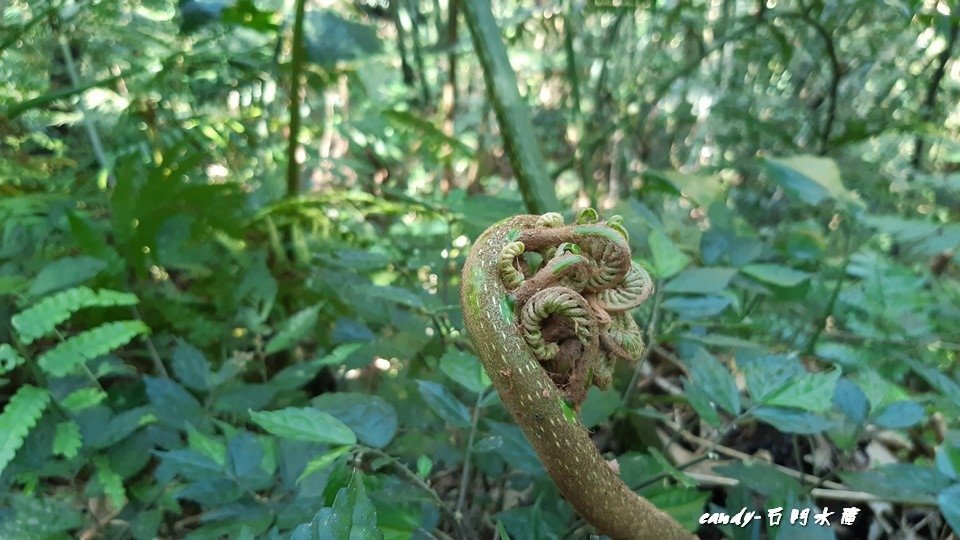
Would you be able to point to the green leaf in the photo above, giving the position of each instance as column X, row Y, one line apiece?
column 775, row 274
column 207, row 445
column 352, row 516
column 766, row 374
column 715, row 380
column 424, row 466
column 84, row 398
column 66, row 357
column 696, row 307
column 949, row 501
column 20, row 416
column 667, row 258
column 811, row 392
column 65, row 273
column 900, row 482
column 599, row 405
column 849, row 399
column 812, row 179
column 67, row 440
column 110, row 482
column 442, row 402
column 372, row 418
column 791, row 421
column 502, row 532
column 43, row 317
column 700, row 188
column 322, row 462
column 698, row 400
column 899, row 415
column 191, row 367
column 426, row 131
column 700, row 281
column 304, row 424
column 331, row 39
column 172, row 404
column 9, row 358
column 683, row 504
column 292, row 330
column 465, row 369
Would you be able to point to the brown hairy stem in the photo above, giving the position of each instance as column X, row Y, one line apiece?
column 560, row 349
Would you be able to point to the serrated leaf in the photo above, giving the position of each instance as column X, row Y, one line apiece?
column 322, row 462
column 442, row 402
column 775, row 274
column 20, row 416
column 83, row 398
column 292, row 330
column 110, row 482
column 304, row 424
column 9, row 358
column 465, row 369
column 43, row 317
column 64, row 359
column 67, row 440
column 810, row 392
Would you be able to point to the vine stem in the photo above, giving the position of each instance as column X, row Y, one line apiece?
column 465, row 475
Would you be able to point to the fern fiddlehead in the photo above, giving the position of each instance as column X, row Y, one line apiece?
column 546, row 332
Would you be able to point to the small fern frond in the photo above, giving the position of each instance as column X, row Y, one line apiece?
column 18, row 418
column 111, row 482
column 9, row 358
column 64, row 359
column 67, row 440
column 41, row 318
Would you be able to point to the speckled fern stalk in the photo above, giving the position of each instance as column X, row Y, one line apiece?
column 547, row 307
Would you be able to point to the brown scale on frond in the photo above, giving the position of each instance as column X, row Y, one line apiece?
column 573, row 309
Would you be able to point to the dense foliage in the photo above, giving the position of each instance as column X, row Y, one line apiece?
column 231, row 234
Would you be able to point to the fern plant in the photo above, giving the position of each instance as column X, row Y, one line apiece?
column 18, row 418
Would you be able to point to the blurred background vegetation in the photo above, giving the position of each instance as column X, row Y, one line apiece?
column 232, row 232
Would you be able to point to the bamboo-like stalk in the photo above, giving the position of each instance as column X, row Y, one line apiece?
column 512, row 114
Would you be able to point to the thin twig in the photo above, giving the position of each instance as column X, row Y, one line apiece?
column 465, row 475
column 651, row 344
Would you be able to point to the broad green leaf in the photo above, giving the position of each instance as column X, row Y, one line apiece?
column 812, row 179
column 696, row 307
column 442, row 402
column 372, row 418
column 65, row 273
column 684, row 504
column 849, row 399
column 811, row 392
column 715, row 380
column 899, row 415
column 700, row 188
column 67, row 439
column 20, row 415
column 700, row 281
column 352, row 516
column 598, row 407
column 322, row 462
column 424, row 466
column 775, row 274
column 465, row 369
column 949, row 501
column 66, row 357
column 792, row 421
column 304, row 424
column 705, row 408
column 768, row 373
column 292, row 330
column 191, row 367
column 899, row 482
column 207, row 445
column 667, row 258
column 43, row 317
column 172, row 404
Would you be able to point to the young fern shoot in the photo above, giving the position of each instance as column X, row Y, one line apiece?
column 547, row 332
